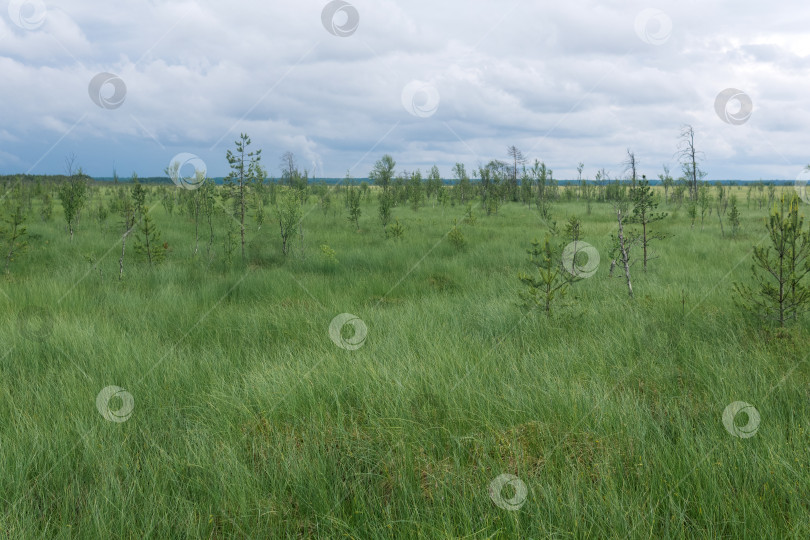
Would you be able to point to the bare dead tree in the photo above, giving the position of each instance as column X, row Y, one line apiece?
column 625, row 253
column 690, row 160
column 517, row 158
column 621, row 247
column 288, row 166
column 70, row 164
column 631, row 166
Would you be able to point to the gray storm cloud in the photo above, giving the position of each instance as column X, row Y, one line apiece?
column 339, row 84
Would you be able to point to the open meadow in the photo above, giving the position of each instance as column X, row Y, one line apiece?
column 236, row 412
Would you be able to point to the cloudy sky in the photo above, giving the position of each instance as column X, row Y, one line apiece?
column 429, row 82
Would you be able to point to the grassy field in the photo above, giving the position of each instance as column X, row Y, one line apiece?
column 248, row 421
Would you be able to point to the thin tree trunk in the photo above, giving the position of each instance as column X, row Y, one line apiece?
column 644, row 240
column 625, row 256
column 8, row 257
column 147, row 232
column 13, row 237
column 121, row 260
column 242, row 206
column 782, row 284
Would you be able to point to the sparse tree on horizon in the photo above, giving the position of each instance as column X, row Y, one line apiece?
column 667, row 182
column 734, row 217
column 353, row 203
column 631, row 167
column 416, row 190
column 690, row 160
column 463, row 187
column 383, row 172
column 245, row 170
column 73, row 194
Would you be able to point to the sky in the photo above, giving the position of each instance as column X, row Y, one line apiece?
column 129, row 86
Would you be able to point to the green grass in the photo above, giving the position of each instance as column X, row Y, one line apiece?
column 250, row 422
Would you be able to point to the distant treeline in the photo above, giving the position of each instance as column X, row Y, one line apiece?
column 165, row 180
column 42, row 178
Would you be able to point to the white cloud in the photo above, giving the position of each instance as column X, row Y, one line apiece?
column 568, row 82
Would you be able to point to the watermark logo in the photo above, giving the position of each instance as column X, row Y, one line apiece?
column 653, row 26
column 516, row 501
column 421, row 99
column 801, row 185
column 27, row 14
column 350, row 343
column 98, row 90
column 104, row 401
column 569, row 262
column 180, row 161
column 340, row 18
column 724, row 106
column 730, row 414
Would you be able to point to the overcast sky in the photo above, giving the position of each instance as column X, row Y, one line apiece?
column 429, row 82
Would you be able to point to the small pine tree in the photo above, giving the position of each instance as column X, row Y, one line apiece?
column 245, row 171
column 573, row 229
column 456, row 237
column 492, row 203
column 396, row 230
column 72, row 194
column 138, row 198
column 384, row 212
column 550, row 283
column 779, row 292
column 353, row 202
column 416, row 191
column 691, row 210
column 148, row 242
column 734, row 217
column 573, row 233
column 289, row 214
column 469, row 216
column 329, row 255
column 644, row 205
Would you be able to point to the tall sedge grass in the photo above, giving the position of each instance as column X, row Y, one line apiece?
column 250, row 422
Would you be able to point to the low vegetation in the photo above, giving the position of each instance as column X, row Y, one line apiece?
column 286, row 358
